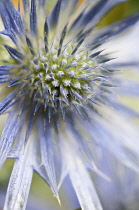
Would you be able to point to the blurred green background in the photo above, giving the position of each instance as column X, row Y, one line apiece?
column 121, row 11
column 39, row 188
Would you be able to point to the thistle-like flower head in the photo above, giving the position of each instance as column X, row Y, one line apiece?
column 56, row 77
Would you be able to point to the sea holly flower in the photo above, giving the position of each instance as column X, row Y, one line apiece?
column 60, row 90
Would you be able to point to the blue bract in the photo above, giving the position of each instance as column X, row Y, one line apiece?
column 60, row 88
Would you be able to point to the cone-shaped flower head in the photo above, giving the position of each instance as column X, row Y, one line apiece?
column 56, row 77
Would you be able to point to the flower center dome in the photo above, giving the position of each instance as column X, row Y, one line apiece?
column 52, row 78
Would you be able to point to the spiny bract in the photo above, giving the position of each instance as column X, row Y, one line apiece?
column 56, row 77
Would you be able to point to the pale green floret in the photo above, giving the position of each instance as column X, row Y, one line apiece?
column 74, row 63
column 72, row 73
column 77, row 57
column 84, row 64
column 55, row 83
column 60, row 73
column 55, row 58
column 77, row 85
column 67, row 82
column 54, row 67
column 43, row 58
column 64, row 62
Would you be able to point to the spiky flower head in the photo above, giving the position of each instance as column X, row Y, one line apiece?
column 56, row 77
